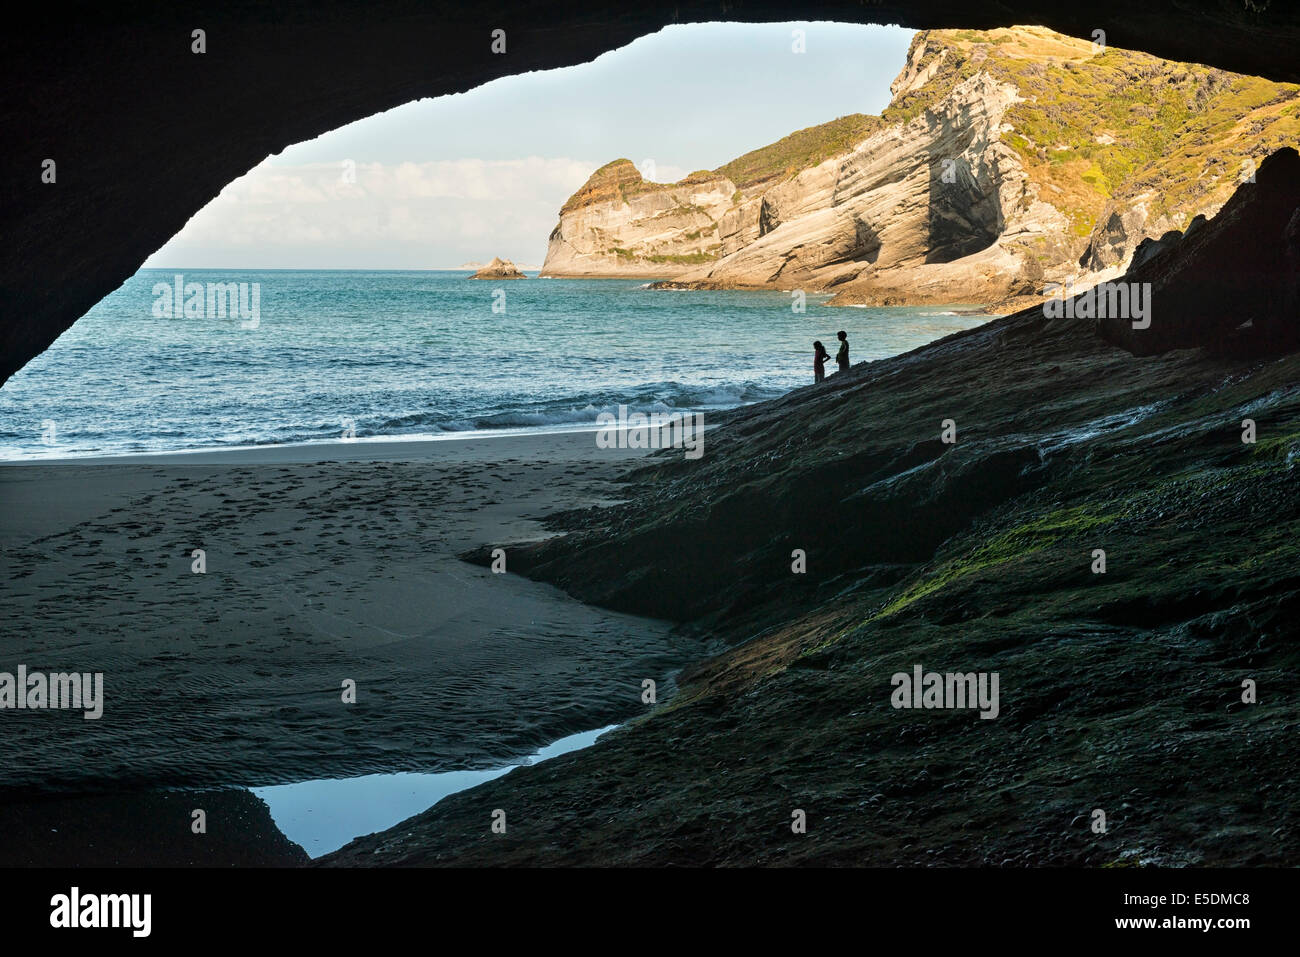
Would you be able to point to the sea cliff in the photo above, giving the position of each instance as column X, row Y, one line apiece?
column 1007, row 161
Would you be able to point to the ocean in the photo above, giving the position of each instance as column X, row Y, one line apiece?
column 415, row 354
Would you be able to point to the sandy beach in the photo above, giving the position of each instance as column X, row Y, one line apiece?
column 324, row 564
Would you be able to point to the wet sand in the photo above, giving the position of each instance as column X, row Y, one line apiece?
column 324, row 564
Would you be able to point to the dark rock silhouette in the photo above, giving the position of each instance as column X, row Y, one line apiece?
column 148, row 828
column 1236, row 269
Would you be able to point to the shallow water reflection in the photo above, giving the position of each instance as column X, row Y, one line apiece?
column 324, row 815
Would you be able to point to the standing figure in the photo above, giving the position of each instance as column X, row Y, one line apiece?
column 842, row 357
column 820, row 355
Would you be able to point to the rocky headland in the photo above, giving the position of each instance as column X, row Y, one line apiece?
column 1007, row 160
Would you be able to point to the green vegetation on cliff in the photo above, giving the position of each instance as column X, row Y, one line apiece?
column 786, row 157
column 1094, row 124
column 800, row 150
column 1099, row 132
column 619, row 178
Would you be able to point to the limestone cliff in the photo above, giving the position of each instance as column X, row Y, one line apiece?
column 1006, row 160
column 618, row 224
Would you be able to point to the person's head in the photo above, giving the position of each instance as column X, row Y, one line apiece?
column 818, row 347
column 841, row 335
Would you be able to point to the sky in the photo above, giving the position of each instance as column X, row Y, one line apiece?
column 440, row 182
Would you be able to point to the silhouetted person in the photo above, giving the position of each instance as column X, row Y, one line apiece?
column 842, row 357
column 820, row 355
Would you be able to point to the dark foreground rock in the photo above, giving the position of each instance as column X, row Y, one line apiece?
column 1242, row 266
column 143, row 829
column 1121, row 691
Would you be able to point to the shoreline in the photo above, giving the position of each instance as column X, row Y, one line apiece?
column 321, row 450
column 551, row 439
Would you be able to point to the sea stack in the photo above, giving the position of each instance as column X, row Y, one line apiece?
column 499, row 268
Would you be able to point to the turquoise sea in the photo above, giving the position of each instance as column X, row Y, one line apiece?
column 410, row 354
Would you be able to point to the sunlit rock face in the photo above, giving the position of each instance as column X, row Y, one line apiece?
column 499, row 268
column 932, row 190
column 619, row 224
column 1007, row 162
